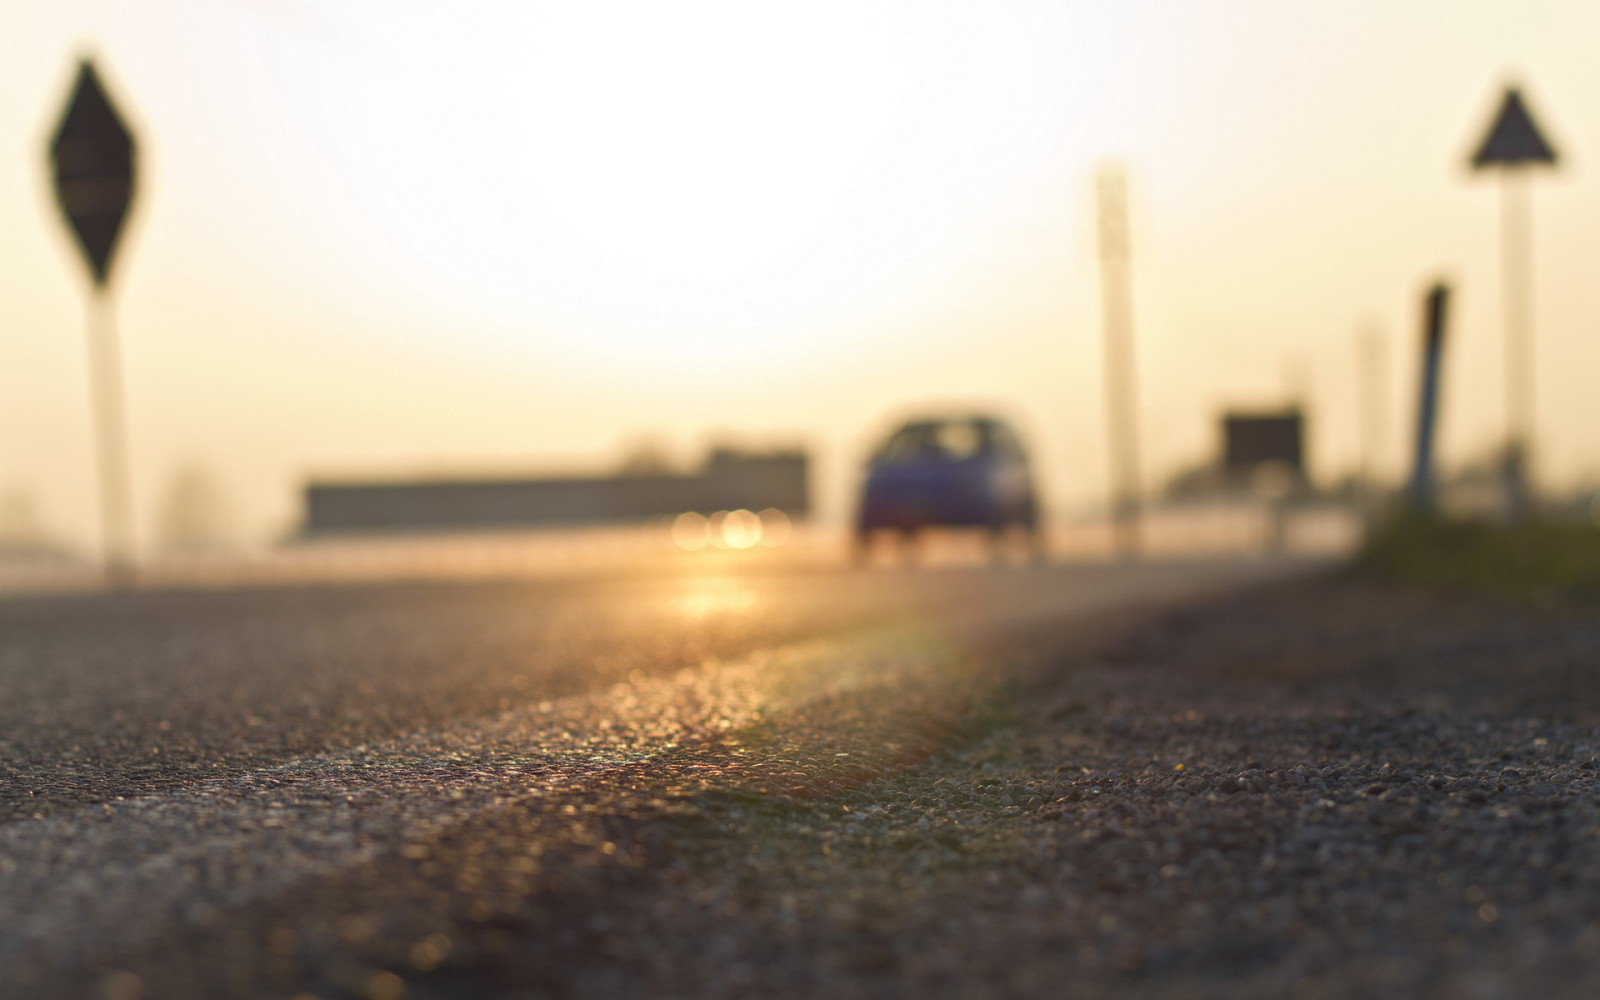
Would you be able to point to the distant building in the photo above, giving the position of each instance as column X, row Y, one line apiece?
column 1260, row 453
column 729, row 480
column 1270, row 444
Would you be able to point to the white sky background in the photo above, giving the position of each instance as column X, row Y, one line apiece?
column 399, row 237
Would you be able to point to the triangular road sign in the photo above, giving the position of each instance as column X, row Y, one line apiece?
column 94, row 154
column 1513, row 139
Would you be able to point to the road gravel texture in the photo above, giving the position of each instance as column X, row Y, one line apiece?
column 870, row 784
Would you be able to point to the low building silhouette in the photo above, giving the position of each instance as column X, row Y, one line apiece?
column 1266, row 445
column 730, row 479
column 1259, row 452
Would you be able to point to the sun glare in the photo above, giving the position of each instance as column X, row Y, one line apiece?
column 704, row 168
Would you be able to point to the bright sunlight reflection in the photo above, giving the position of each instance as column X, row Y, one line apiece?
column 691, row 532
column 731, row 529
column 741, row 529
column 716, row 595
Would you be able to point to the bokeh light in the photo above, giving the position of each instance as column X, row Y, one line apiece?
column 690, row 531
column 714, row 525
column 741, row 529
column 775, row 527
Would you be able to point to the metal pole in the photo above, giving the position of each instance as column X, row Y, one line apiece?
column 1121, row 407
column 1428, row 399
column 1371, row 400
column 116, row 507
column 1517, row 253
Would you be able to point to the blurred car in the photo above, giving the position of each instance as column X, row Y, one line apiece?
column 964, row 472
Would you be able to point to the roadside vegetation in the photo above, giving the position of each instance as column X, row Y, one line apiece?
column 1540, row 559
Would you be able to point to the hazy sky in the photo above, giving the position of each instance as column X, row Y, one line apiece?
column 387, row 237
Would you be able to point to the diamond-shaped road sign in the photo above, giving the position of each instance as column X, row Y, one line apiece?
column 94, row 159
column 1513, row 139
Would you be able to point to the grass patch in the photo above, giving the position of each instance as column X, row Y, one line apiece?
column 1526, row 561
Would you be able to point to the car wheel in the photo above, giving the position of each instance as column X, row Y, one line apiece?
column 909, row 543
column 861, row 548
column 1038, row 553
column 999, row 544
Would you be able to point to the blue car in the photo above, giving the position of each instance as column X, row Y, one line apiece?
column 959, row 472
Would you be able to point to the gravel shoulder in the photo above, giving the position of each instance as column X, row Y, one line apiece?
column 1326, row 788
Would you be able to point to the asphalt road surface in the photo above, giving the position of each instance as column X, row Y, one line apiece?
column 264, row 792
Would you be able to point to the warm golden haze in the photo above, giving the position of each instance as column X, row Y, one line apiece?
column 388, row 237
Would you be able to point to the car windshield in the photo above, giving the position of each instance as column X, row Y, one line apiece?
column 948, row 441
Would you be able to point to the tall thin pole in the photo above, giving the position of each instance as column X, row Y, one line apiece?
column 1121, row 404
column 1517, row 264
column 1422, row 484
column 1373, row 415
column 94, row 158
column 1513, row 146
column 105, row 376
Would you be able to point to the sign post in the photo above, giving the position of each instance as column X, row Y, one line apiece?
column 93, row 156
column 1513, row 145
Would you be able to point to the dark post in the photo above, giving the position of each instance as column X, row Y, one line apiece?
column 1428, row 407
